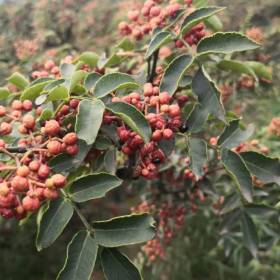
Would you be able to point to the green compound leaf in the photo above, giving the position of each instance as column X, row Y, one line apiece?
column 89, row 120
column 53, row 222
column 236, row 167
column 159, row 39
column 112, row 82
column 117, row 266
column 174, row 73
column 124, row 230
column 80, row 258
column 93, row 186
column 225, row 43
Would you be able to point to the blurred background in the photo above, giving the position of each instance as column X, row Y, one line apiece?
column 32, row 31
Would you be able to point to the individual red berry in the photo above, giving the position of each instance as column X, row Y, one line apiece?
column 16, row 114
column 126, row 150
column 54, row 147
column 49, row 64
column 3, row 111
column 50, row 194
column 2, row 143
column 23, row 171
column 164, row 97
column 30, row 203
column 27, row 105
column 34, row 165
column 44, row 171
column 59, row 180
column 19, row 183
column 133, row 15
column 164, row 108
column 16, row 105
column 28, row 121
column 64, row 110
column 72, row 150
column 49, row 183
column 155, row 11
column 74, row 103
column 174, row 110
column 4, row 189
column 154, row 101
column 148, row 89
column 52, row 127
column 167, row 133
column 145, row 172
column 116, row 99
column 5, row 128
column 157, row 135
column 179, row 44
column 39, row 111
column 70, row 138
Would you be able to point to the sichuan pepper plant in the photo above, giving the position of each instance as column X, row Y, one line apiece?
column 149, row 114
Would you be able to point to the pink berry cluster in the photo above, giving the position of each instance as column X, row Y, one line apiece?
column 170, row 218
column 163, row 113
column 154, row 15
column 26, row 180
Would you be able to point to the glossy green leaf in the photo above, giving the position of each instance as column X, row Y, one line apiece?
column 18, row 80
column 110, row 61
column 117, row 266
column 126, row 44
column 112, row 82
column 225, row 43
column 54, row 84
column 265, row 168
column 132, row 117
column 80, row 258
column 197, row 118
column 91, row 80
column 125, row 230
column 250, row 236
column 260, row 69
column 77, row 77
column 89, row 58
column 58, row 93
column 208, row 94
column 198, row 155
column 53, row 222
column 174, row 73
column 4, row 93
column 197, row 16
column 67, row 70
column 32, row 92
column 93, row 186
column 89, row 120
column 214, row 23
column 46, row 114
column 236, row 167
column 233, row 135
column 236, row 66
column 158, row 40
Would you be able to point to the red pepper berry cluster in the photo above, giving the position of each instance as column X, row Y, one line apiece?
column 26, row 179
column 163, row 113
column 170, row 219
column 193, row 36
column 153, row 15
